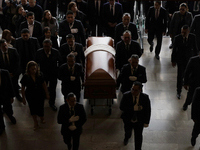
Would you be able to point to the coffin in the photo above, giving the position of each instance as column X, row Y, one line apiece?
column 100, row 73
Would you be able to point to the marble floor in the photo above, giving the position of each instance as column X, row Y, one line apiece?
column 170, row 127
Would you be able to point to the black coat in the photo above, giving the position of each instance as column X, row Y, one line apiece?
column 182, row 52
column 48, row 65
column 159, row 24
column 37, row 29
column 192, row 72
column 13, row 61
column 195, row 111
column 122, row 55
column 80, row 58
column 64, row 30
column 53, row 39
column 119, row 29
column 124, row 77
column 38, row 11
column 6, row 87
column 127, row 106
column 195, row 29
column 64, row 116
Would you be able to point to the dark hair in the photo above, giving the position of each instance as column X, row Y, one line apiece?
column 25, row 30
column 184, row 5
column 70, row 5
column 5, row 33
column 17, row 9
column 71, row 56
column 70, row 95
column 29, row 65
column 159, row 2
column 47, row 41
column 69, row 36
column 185, row 27
column 46, row 29
column 134, row 56
column 69, row 12
column 2, row 41
column 45, row 20
column 137, row 83
column 30, row 13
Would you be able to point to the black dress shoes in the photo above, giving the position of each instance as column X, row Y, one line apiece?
column 2, row 130
column 151, row 48
column 157, row 57
column 193, row 141
column 185, row 107
column 125, row 141
column 178, row 95
column 170, row 46
column 19, row 98
column 12, row 119
column 53, row 107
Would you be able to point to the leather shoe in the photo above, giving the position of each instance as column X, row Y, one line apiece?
column 2, row 130
column 125, row 141
column 157, row 57
column 178, row 95
column 185, row 107
column 12, row 119
column 151, row 47
column 53, row 107
column 170, row 46
column 193, row 141
column 19, row 98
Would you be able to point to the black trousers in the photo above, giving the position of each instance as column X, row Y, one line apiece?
column 151, row 34
column 138, row 129
column 180, row 74
column 196, row 129
column 52, row 81
column 73, row 136
column 190, row 94
column 15, row 84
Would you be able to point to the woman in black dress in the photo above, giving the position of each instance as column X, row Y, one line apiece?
column 34, row 90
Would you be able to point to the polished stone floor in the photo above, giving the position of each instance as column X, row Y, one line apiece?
column 170, row 127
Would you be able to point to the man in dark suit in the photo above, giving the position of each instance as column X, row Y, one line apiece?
column 195, row 115
column 72, row 26
column 47, row 35
column 9, row 60
column 191, row 79
column 72, row 116
column 125, row 49
column 74, row 48
column 123, row 26
column 136, row 113
column 95, row 10
column 195, row 29
column 36, row 9
column 70, row 74
column 131, row 73
column 34, row 26
column 6, row 98
column 112, row 15
column 27, row 47
column 184, row 47
column 49, row 60
column 156, row 23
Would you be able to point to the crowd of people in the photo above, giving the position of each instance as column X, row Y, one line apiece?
column 30, row 46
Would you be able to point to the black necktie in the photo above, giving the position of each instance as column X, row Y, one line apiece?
column 185, row 40
column 127, row 47
column 111, row 10
column 72, row 111
column 6, row 60
column 156, row 14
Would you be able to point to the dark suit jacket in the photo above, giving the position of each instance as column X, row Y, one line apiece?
column 82, row 6
column 122, row 55
column 195, row 112
column 37, row 29
column 53, row 39
column 65, row 30
column 26, row 55
column 80, row 58
column 38, row 11
column 50, row 5
column 183, row 51
column 119, row 29
column 6, row 87
column 124, row 77
column 108, row 17
column 195, row 29
column 192, row 72
column 64, row 75
column 49, row 65
column 64, row 116
column 159, row 24
column 127, row 106
column 13, row 61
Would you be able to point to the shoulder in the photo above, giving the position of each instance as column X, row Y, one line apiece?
column 33, row 39
column 78, row 44
column 119, row 25
column 24, row 23
column 141, row 67
column 37, row 23
column 39, row 50
column 192, row 35
column 120, row 43
column 126, row 66
column 117, row 4
column 12, row 49
column 64, row 45
column 54, row 50
column 162, row 9
column 134, row 42
column 131, row 24
column 127, row 94
column 3, row 71
column 77, row 65
column 64, row 106
column 63, row 66
column 145, row 96
column 63, row 22
column 106, row 4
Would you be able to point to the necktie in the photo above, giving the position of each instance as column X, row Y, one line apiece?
column 185, row 40
column 127, row 47
column 125, row 28
column 71, row 71
column 111, row 10
column 6, row 60
column 156, row 16
column 72, row 111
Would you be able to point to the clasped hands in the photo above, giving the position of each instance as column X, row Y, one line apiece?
column 73, row 119
column 132, row 78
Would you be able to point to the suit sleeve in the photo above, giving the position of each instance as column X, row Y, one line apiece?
column 10, row 85
column 62, row 75
column 174, row 50
column 16, row 62
column 147, row 19
column 63, row 117
column 142, row 76
column 195, row 105
column 147, row 110
column 193, row 25
column 135, row 33
column 188, row 71
column 82, row 117
column 82, row 34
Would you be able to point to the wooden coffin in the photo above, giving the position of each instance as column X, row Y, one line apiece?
column 100, row 73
